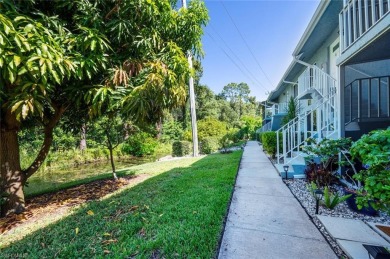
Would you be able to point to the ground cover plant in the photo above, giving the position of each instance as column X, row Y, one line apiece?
column 178, row 213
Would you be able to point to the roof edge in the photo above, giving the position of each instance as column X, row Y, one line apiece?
column 292, row 64
column 312, row 24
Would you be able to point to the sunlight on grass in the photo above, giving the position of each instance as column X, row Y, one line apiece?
column 177, row 213
column 151, row 169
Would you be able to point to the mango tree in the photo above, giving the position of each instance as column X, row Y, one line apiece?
column 57, row 56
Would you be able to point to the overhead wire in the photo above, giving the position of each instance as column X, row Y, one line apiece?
column 233, row 61
column 246, row 44
column 236, row 56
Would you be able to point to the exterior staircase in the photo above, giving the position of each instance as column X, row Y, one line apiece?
column 318, row 120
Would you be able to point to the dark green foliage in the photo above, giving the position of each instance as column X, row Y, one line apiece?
column 269, row 142
column 327, row 152
column 172, row 130
column 291, row 111
column 181, row 148
column 140, row 144
column 259, row 137
column 373, row 150
column 331, row 200
column 209, row 145
column 315, row 173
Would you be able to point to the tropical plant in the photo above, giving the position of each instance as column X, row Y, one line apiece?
column 331, row 200
column 54, row 60
column 373, row 150
column 324, row 158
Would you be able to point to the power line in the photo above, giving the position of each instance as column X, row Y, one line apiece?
column 242, row 37
column 233, row 61
column 236, row 56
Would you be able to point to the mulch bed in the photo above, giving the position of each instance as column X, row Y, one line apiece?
column 46, row 204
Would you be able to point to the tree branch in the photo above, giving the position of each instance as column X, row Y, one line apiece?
column 48, row 139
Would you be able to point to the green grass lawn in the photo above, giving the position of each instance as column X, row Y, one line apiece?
column 177, row 213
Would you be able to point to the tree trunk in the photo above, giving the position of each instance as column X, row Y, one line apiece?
column 110, row 148
column 83, row 140
column 11, row 174
column 12, row 177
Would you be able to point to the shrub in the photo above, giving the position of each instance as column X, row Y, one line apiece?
column 209, row 145
column 139, row 144
column 259, row 136
column 269, row 142
column 171, row 131
column 181, row 148
column 315, row 173
column 373, row 150
column 210, row 127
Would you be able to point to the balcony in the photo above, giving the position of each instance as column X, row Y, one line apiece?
column 278, row 108
column 358, row 17
column 314, row 82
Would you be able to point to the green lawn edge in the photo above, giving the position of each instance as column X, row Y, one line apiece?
column 178, row 213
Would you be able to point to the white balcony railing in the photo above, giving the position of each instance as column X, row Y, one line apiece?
column 279, row 108
column 358, row 16
column 314, row 78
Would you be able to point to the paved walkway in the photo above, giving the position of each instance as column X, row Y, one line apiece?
column 265, row 220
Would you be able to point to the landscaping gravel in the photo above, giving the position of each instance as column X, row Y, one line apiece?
column 298, row 188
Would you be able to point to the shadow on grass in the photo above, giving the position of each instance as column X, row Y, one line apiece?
column 178, row 213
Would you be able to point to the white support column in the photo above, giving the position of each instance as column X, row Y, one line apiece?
column 345, row 17
column 366, row 20
column 360, row 17
column 354, row 23
column 349, row 25
column 277, row 147
column 341, row 28
column 380, row 8
column 284, row 145
column 374, row 18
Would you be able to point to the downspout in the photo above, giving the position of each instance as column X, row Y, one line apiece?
column 296, row 59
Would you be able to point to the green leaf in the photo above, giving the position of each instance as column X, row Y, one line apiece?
column 56, row 77
column 17, row 60
column 93, row 45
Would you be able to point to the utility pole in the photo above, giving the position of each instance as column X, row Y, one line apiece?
column 192, row 101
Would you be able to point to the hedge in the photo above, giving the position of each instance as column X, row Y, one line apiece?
column 209, row 145
column 269, row 142
column 181, row 148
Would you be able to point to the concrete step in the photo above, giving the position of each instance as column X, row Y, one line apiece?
column 294, row 171
column 351, row 234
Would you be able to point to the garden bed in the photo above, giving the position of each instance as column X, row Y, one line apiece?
column 300, row 191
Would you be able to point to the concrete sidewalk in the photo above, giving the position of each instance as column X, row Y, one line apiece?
column 265, row 220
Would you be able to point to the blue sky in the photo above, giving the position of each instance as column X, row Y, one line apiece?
column 270, row 28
